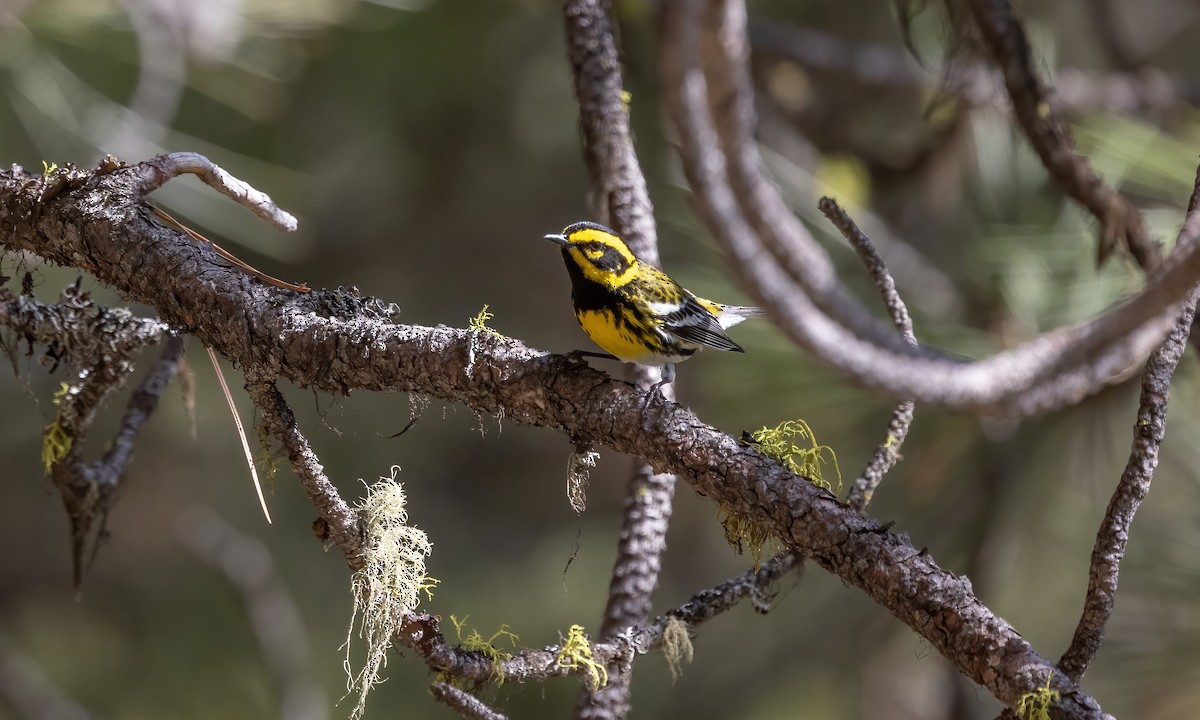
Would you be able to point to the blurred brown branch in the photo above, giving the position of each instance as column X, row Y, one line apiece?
column 1053, row 370
column 1119, row 220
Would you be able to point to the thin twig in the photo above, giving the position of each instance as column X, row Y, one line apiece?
column 341, row 521
column 1113, row 536
column 463, row 703
column 886, row 453
column 154, row 173
column 141, row 406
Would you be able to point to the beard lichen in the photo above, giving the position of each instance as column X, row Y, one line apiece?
column 576, row 654
column 579, row 468
column 676, row 645
column 388, row 584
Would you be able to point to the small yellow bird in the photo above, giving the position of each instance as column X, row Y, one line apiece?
column 634, row 310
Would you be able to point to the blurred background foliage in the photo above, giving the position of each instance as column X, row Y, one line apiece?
column 426, row 146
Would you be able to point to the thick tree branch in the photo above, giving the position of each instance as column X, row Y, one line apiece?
column 336, row 342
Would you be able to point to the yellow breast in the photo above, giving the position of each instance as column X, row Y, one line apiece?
column 617, row 338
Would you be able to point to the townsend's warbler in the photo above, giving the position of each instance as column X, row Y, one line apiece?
column 634, row 310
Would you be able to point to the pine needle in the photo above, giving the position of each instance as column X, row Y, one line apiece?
column 237, row 420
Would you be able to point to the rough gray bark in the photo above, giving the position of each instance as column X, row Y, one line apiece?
column 335, row 342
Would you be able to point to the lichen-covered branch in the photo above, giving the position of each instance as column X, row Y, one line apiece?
column 97, row 346
column 335, row 341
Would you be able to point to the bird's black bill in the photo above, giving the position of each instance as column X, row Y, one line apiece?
column 560, row 239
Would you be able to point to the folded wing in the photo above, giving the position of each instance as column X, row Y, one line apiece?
column 691, row 323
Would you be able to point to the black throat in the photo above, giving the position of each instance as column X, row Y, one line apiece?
column 587, row 294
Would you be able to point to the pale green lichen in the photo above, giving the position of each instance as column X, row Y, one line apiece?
column 56, row 440
column 779, row 443
column 676, row 645
column 479, row 323
column 474, row 642
column 477, row 326
column 1036, row 705
column 576, row 653
column 743, row 535
column 388, row 584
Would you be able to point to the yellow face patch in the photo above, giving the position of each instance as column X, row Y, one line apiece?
column 588, row 246
column 592, row 235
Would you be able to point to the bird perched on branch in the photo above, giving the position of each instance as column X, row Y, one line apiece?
column 635, row 311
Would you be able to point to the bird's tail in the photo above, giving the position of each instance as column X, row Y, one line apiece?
column 731, row 315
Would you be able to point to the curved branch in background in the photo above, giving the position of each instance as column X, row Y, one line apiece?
column 621, row 199
column 269, row 606
column 1136, row 90
column 1050, row 371
column 1119, row 219
column 27, row 690
column 162, row 77
column 790, row 243
column 1103, row 16
column 1113, row 537
column 334, row 341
